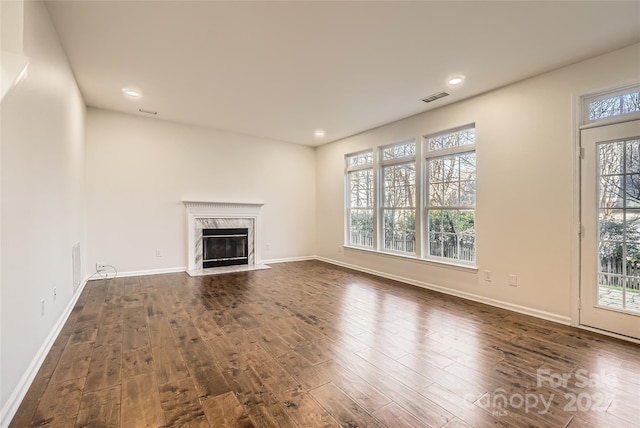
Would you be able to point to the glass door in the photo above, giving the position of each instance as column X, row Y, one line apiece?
column 610, row 233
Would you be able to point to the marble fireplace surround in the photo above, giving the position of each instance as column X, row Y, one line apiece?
column 214, row 215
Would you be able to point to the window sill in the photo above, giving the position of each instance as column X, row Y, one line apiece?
column 414, row 259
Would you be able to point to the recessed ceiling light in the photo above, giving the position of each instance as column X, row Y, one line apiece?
column 131, row 92
column 456, row 80
column 319, row 133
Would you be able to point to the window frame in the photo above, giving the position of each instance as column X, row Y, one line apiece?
column 397, row 161
column 427, row 207
column 603, row 95
column 348, row 208
column 420, row 208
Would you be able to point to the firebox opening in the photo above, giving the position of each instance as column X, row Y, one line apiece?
column 225, row 247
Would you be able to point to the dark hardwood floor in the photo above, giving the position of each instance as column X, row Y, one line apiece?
column 308, row 344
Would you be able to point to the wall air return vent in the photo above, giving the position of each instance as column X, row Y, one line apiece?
column 434, row 97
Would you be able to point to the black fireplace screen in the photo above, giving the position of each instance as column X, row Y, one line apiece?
column 225, row 247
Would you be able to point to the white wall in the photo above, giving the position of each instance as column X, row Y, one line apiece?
column 139, row 170
column 42, row 211
column 525, row 148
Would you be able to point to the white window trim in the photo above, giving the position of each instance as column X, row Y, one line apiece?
column 347, row 194
column 420, row 161
column 380, row 196
column 435, row 154
column 446, row 263
column 349, row 168
column 579, row 107
column 586, row 100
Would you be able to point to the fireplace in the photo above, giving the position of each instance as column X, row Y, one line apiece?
column 223, row 253
column 225, row 247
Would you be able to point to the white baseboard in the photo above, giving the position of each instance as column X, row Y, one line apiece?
column 141, row 272
column 95, row 277
column 15, row 399
column 561, row 319
column 289, row 259
column 184, row 269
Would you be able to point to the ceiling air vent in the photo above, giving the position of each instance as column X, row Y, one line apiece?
column 434, row 97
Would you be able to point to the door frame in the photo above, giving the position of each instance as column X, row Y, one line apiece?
column 579, row 100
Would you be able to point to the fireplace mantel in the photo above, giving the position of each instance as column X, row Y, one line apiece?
column 199, row 212
column 233, row 209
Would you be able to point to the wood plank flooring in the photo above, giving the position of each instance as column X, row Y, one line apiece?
column 308, row 344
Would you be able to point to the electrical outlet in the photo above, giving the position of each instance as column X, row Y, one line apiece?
column 101, row 266
column 158, row 252
column 340, row 249
column 55, row 293
column 267, row 246
column 513, row 280
column 487, row 276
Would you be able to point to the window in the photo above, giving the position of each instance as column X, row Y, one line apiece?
column 360, row 199
column 619, row 222
column 451, row 195
column 611, row 105
column 399, row 197
column 415, row 200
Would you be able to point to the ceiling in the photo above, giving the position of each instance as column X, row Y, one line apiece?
column 281, row 70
